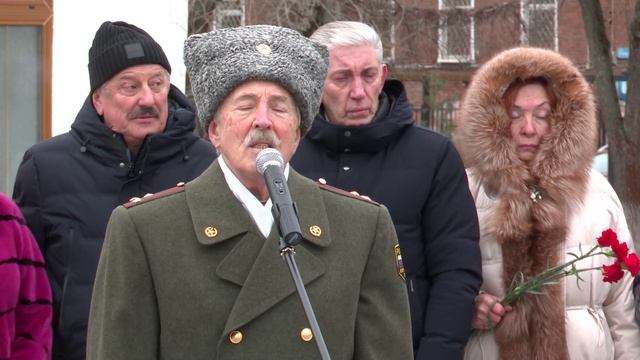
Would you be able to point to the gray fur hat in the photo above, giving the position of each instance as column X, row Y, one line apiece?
column 218, row 61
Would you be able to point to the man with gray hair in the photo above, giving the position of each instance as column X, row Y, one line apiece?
column 195, row 272
column 364, row 139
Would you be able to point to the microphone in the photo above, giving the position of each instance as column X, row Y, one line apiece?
column 269, row 163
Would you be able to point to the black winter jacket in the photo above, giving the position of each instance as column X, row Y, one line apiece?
column 419, row 176
column 68, row 185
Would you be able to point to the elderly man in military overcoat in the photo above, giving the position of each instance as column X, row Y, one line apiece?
column 195, row 272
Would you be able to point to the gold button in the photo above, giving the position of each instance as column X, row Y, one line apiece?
column 135, row 199
column 210, row 231
column 306, row 334
column 315, row 230
column 148, row 194
column 180, row 184
column 235, row 337
column 322, row 181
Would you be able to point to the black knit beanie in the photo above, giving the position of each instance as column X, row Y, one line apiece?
column 117, row 46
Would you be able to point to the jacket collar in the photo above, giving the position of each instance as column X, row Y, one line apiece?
column 232, row 219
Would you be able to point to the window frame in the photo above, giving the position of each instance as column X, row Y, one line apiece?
column 35, row 13
column 443, row 56
column 525, row 11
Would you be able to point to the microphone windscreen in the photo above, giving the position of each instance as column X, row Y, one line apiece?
column 268, row 156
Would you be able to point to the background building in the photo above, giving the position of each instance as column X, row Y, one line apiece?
column 433, row 46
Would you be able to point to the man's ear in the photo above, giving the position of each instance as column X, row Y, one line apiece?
column 212, row 131
column 97, row 102
column 385, row 71
column 297, row 141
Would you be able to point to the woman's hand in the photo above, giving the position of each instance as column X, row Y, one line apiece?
column 488, row 311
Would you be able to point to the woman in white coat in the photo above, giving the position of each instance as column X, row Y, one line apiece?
column 527, row 132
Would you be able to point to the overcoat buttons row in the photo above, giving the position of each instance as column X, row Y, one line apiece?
column 235, row 337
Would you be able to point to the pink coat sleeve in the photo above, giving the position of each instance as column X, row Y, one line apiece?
column 25, row 295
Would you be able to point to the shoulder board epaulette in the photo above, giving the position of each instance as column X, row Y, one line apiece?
column 148, row 197
column 345, row 193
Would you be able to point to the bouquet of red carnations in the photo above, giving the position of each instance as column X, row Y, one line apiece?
column 608, row 245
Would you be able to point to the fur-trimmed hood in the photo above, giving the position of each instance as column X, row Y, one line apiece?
column 533, row 202
column 567, row 149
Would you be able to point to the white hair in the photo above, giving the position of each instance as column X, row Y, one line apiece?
column 348, row 33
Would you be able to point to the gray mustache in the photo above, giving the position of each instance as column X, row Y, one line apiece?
column 259, row 136
column 141, row 111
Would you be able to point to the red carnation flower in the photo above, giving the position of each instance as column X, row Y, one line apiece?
column 624, row 260
column 608, row 238
column 621, row 250
column 612, row 273
column 632, row 263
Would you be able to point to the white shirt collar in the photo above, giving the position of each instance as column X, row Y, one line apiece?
column 261, row 214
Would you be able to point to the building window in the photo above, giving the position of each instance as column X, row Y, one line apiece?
column 456, row 40
column 540, row 23
column 229, row 13
column 26, row 38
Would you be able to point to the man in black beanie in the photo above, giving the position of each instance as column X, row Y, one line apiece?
column 133, row 136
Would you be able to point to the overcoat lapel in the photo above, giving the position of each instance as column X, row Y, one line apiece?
column 269, row 282
column 254, row 263
column 213, row 206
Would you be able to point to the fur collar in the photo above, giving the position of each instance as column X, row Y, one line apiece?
column 531, row 233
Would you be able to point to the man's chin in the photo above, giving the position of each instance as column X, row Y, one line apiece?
column 357, row 121
column 255, row 150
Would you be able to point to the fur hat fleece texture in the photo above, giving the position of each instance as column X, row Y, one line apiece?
column 219, row 61
column 117, row 46
column 530, row 234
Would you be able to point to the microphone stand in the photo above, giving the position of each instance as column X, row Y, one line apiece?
column 269, row 163
column 287, row 252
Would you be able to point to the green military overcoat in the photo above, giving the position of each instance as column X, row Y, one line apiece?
column 188, row 275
